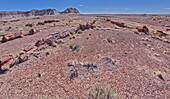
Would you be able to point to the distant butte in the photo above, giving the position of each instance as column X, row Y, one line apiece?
column 14, row 14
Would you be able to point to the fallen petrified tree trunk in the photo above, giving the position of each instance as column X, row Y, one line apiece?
column 121, row 24
column 6, row 62
column 160, row 33
column 11, row 36
column 143, row 29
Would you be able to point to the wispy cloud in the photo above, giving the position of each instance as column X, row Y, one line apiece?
column 166, row 8
column 80, row 5
column 125, row 12
column 129, row 9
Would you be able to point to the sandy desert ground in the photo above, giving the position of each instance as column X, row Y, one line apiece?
column 64, row 56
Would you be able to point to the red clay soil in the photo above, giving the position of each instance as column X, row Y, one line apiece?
column 125, row 61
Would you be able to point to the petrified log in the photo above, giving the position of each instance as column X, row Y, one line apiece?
column 51, row 21
column 6, row 62
column 143, row 29
column 2, row 34
column 49, row 40
column 11, row 36
column 14, row 20
column 71, row 30
column 121, row 24
column 108, row 19
column 32, row 31
column 160, row 33
column 55, row 34
column 39, row 43
column 83, row 25
column 64, row 34
column 93, row 21
column 17, row 35
column 7, row 37
column 76, row 28
column 25, row 33
column 29, row 25
column 30, row 47
column 22, row 57
column 167, row 29
column 40, row 23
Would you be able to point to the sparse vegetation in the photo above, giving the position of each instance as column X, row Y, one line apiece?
column 109, row 62
column 152, row 49
column 75, row 47
column 74, row 73
column 109, row 39
column 99, row 26
column 157, row 55
column 79, row 31
column 59, row 41
column 136, row 32
column 159, row 74
column 102, row 92
column 72, row 37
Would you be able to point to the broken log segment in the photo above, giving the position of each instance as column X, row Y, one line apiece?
column 143, row 29
column 6, row 62
column 121, row 24
column 51, row 21
column 159, row 33
column 11, row 36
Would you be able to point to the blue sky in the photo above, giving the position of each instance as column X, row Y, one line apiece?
column 91, row 6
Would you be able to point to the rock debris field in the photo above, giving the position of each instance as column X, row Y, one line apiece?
column 65, row 56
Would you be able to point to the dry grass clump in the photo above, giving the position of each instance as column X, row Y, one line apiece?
column 79, row 31
column 157, row 55
column 102, row 92
column 59, row 41
column 159, row 75
column 74, row 73
column 75, row 47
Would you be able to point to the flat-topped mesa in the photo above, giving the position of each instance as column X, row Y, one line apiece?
column 70, row 10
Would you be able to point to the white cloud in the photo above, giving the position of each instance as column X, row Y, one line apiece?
column 166, row 8
column 128, row 9
column 121, row 13
column 80, row 5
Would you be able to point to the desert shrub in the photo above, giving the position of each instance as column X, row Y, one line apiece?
column 75, row 47
column 72, row 37
column 109, row 39
column 74, row 73
column 99, row 26
column 79, row 31
column 136, row 32
column 102, row 92
column 59, row 41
